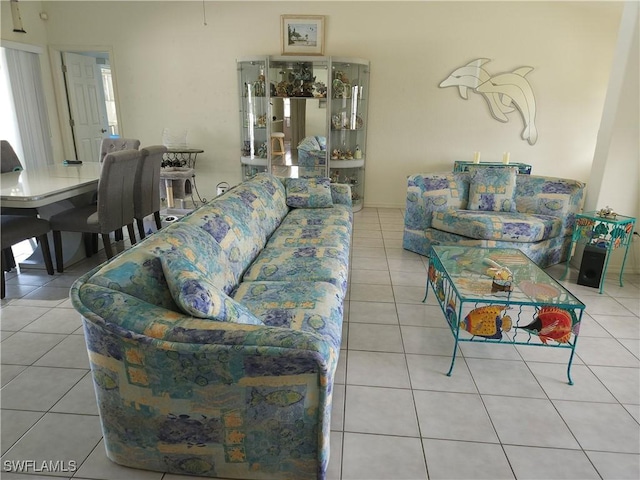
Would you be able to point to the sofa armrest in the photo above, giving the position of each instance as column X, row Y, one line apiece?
column 557, row 197
column 341, row 194
column 431, row 192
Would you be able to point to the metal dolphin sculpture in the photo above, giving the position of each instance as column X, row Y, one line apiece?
column 470, row 76
column 519, row 90
column 501, row 92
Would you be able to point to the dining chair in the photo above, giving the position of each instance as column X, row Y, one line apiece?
column 113, row 210
column 110, row 145
column 9, row 161
column 146, row 191
column 15, row 229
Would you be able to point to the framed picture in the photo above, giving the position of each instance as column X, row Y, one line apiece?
column 302, row 34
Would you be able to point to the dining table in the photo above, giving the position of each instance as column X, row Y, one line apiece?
column 51, row 190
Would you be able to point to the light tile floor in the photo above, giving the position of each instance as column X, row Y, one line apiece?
column 505, row 413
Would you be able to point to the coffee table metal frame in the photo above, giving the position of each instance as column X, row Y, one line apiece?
column 461, row 281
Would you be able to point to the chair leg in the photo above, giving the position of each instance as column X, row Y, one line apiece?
column 2, row 267
column 46, row 253
column 107, row 245
column 88, row 244
column 57, row 246
column 132, row 233
column 94, row 240
column 10, row 262
column 156, row 216
column 119, row 235
column 140, row 228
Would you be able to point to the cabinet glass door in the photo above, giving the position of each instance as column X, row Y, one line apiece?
column 298, row 116
column 347, row 141
column 254, row 125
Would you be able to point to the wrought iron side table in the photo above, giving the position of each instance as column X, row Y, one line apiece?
column 607, row 232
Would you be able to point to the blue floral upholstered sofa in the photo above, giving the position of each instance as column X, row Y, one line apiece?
column 214, row 342
column 493, row 207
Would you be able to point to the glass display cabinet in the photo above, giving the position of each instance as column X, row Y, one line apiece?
column 348, row 132
column 304, row 116
column 254, row 128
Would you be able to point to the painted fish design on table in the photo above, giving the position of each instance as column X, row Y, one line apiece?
column 486, row 322
column 553, row 323
column 450, row 312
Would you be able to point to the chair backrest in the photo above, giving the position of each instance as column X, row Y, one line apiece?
column 146, row 191
column 110, row 145
column 115, row 189
column 9, row 161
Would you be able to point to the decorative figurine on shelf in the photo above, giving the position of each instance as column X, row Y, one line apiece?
column 358, row 153
column 262, row 150
column 607, row 212
column 349, row 155
column 321, row 90
column 246, row 148
column 259, row 85
column 335, row 154
column 261, row 121
column 335, row 176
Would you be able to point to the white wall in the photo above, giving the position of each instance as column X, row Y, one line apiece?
column 173, row 71
column 616, row 165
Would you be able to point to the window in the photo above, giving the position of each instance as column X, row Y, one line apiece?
column 26, row 122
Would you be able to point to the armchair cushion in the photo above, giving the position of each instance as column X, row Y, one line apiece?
column 309, row 192
column 506, row 227
column 492, row 189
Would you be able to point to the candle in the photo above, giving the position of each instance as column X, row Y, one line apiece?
column 505, row 158
column 476, row 157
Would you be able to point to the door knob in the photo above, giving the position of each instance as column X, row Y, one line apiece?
column 103, row 130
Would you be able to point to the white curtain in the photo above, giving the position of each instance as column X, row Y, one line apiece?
column 25, row 80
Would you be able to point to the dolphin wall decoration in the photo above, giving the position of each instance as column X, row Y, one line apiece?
column 501, row 92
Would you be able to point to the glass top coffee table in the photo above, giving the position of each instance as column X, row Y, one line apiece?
column 498, row 295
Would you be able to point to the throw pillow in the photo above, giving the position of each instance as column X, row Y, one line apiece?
column 492, row 189
column 309, row 192
column 197, row 296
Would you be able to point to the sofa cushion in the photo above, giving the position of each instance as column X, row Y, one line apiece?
column 309, row 192
column 508, row 227
column 311, row 236
column 314, row 307
column 271, row 192
column 303, row 217
column 492, row 189
column 197, row 296
column 138, row 272
column 234, row 235
column 304, row 264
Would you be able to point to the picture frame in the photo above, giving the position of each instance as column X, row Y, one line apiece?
column 302, row 34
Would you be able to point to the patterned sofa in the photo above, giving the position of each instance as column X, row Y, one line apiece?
column 533, row 213
column 214, row 342
column 312, row 156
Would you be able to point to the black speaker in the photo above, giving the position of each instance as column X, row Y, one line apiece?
column 591, row 266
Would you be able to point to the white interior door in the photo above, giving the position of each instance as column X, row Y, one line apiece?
column 87, row 108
